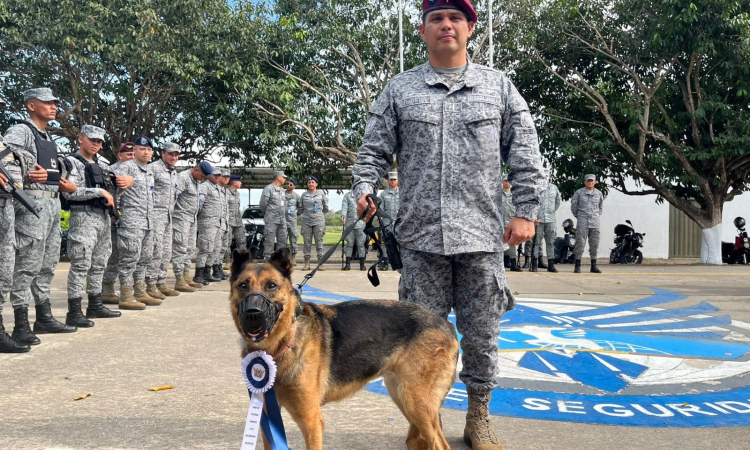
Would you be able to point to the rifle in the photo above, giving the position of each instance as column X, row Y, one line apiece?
column 111, row 186
column 16, row 190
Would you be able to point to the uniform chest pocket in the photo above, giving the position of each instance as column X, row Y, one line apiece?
column 483, row 146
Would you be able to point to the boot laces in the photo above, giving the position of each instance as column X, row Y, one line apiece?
column 481, row 420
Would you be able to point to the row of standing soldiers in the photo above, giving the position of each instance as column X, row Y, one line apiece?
column 128, row 220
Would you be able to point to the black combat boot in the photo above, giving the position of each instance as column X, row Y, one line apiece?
column 362, row 263
column 348, row 264
column 208, row 276
column 541, row 264
column 22, row 332
column 551, row 266
column 578, row 266
column 224, row 275
column 97, row 310
column 525, row 262
column 506, row 261
column 594, row 269
column 514, row 266
column 75, row 317
column 217, row 273
column 45, row 322
column 8, row 344
column 198, row 277
column 533, row 265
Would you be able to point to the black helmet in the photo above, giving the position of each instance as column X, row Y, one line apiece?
column 567, row 225
column 739, row 222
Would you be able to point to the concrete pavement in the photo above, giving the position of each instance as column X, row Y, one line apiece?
column 190, row 342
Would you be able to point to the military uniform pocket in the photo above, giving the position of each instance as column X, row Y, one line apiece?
column 24, row 242
column 509, row 301
column 76, row 250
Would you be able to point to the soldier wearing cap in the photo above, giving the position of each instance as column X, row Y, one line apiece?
column 587, row 205
column 391, row 200
column 136, row 228
column 210, row 218
column 547, row 224
column 12, row 164
column 37, row 238
column 185, row 226
column 235, row 216
column 109, row 296
column 292, row 206
column 224, row 240
column 349, row 215
column 165, row 193
column 314, row 205
column 89, row 236
column 273, row 205
column 452, row 123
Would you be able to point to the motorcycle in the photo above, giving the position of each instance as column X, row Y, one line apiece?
column 255, row 239
column 739, row 252
column 564, row 245
column 627, row 242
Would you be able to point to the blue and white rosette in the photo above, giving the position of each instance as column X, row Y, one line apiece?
column 259, row 372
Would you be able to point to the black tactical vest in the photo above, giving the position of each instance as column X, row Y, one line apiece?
column 46, row 155
column 94, row 179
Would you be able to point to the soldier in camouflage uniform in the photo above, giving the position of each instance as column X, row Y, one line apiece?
column 210, row 217
column 223, row 236
column 12, row 164
column 185, row 226
column 292, row 206
column 136, row 228
column 273, row 205
column 165, row 192
column 451, row 124
column 509, row 212
column 587, row 205
column 547, row 224
column 349, row 215
column 37, row 238
column 235, row 216
column 314, row 205
column 391, row 202
column 89, row 235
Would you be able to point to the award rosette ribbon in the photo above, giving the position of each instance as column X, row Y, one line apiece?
column 259, row 372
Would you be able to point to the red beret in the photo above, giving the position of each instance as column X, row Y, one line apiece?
column 461, row 5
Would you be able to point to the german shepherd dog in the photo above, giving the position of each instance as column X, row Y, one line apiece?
column 327, row 353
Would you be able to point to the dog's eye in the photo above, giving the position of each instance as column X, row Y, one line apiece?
column 242, row 286
column 271, row 286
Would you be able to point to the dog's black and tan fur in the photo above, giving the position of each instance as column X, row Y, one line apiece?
column 338, row 349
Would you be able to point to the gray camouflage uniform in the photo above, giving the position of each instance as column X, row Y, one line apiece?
column 451, row 140
column 136, row 228
column 391, row 201
column 547, row 228
column 37, row 239
column 184, row 222
column 235, row 221
column 292, row 206
column 273, row 205
column 313, row 208
column 111, row 272
column 209, row 222
column 222, row 239
column 7, row 226
column 509, row 212
column 349, row 212
column 89, row 235
column 587, row 208
column 165, row 192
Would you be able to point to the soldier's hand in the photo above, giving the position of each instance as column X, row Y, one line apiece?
column 124, row 182
column 38, row 175
column 536, row 222
column 66, row 186
column 343, row 220
column 518, row 230
column 2, row 180
column 362, row 204
column 108, row 197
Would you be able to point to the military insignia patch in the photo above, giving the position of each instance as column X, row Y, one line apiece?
column 433, row 2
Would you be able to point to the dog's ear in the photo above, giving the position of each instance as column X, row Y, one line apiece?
column 280, row 260
column 240, row 259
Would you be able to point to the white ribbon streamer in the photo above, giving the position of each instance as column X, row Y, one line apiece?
column 259, row 373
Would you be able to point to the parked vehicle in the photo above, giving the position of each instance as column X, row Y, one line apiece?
column 739, row 252
column 252, row 219
column 627, row 242
column 564, row 245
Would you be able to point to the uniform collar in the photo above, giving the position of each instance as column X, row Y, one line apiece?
column 470, row 77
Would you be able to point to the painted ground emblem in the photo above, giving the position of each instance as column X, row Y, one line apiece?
column 643, row 363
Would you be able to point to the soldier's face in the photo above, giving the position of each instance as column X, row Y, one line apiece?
column 170, row 158
column 590, row 184
column 224, row 180
column 43, row 110
column 198, row 174
column 143, row 153
column 312, row 184
column 393, row 183
column 506, row 185
column 125, row 156
column 446, row 31
column 213, row 179
column 89, row 146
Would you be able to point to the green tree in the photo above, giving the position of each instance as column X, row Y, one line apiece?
column 654, row 91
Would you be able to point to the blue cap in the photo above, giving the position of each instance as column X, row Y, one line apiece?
column 206, row 168
column 235, row 177
column 291, row 180
column 143, row 141
column 313, row 177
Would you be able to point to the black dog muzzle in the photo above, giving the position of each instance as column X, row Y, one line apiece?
column 258, row 314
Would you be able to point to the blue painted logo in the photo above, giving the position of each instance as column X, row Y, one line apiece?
column 640, row 363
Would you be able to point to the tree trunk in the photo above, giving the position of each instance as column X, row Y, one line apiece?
column 711, row 245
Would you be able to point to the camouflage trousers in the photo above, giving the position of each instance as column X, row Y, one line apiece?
column 226, row 244
column 89, row 247
column 358, row 235
column 275, row 233
column 7, row 249
column 219, row 247
column 292, row 236
column 318, row 231
column 206, row 244
column 183, row 245
column 475, row 287
column 37, row 251
column 135, row 254
column 548, row 232
column 112, row 271
column 238, row 233
column 584, row 234
column 162, row 253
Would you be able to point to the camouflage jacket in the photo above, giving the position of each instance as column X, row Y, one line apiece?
column 165, row 187
column 21, row 140
column 507, row 207
column 314, row 207
column 292, row 206
column 188, row 199
column 213, row 203
column 587, row 207
column 549, row 204
column 233, row 203
column 77, row 175
column 273, row 204
column 391, row 202
column 136, row 202
column 12, row 164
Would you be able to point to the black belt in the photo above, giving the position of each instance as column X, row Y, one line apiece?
column 37, row 193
